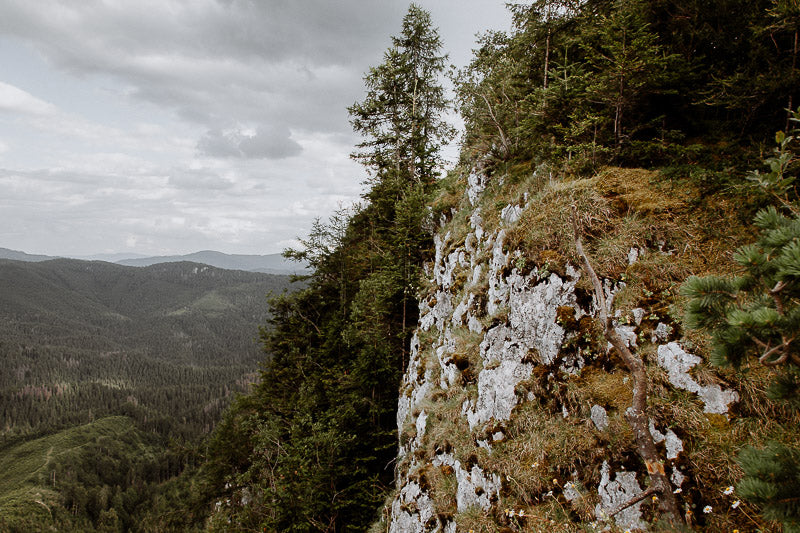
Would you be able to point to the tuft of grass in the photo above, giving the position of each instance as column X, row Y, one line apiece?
column 448, row 429
column 540, row 448
column 611, row 390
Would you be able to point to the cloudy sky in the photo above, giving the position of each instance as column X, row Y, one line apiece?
column 172, row 126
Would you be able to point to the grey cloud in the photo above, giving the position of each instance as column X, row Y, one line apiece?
column 265, row 143
column 269, row 144
column 198, row 179
column 213, row 61
column 217, row 144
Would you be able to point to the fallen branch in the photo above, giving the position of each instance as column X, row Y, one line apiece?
column 637, row 412
column 633, row 501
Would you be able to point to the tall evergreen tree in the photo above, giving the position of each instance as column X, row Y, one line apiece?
column 401, row 116
column 321, row 425
column 401, row 122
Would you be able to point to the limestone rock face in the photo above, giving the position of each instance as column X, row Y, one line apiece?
column 530, row 336
column 475, row 487
column 490, row 325
column 613, row 493
column 412, row 510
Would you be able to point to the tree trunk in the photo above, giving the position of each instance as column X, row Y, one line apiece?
column 791, row 77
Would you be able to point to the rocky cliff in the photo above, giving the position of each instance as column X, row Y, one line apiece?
column 511, row 410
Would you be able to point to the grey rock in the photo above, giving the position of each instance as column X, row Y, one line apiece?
column 498, row 288
column 671, row 441
column 476, row 183
column 599, row 417
column 570, row 491
column 628, row 336
column 476, row 223
column 616, row 492
column 678, row 363
column 677, row 477
column 661, row 333
column 474, row 325
column 444, row 352
column 422, row 424
column 411, row 510
column 510, row 214
column 475, row 487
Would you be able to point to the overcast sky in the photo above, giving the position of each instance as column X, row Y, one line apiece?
column 172, row 126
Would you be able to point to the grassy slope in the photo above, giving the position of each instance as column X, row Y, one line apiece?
column 27, row 496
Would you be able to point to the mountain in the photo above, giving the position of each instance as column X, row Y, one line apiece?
column 111, row 258
column 270, row 264
column 265, row 264
column 172, row 340
column 16, row 255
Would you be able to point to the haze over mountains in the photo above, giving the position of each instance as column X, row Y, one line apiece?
column 270, row 263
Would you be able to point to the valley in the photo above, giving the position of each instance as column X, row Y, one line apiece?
column 134, row 363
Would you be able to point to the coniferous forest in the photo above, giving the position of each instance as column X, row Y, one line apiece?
column 693, row 91
column 112, row 375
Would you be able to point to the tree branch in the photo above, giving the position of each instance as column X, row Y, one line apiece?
column 633, row 501
column 637, row 413
column 497, row 125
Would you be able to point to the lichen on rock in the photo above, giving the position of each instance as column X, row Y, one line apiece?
column 616, row 492
column 678, row 363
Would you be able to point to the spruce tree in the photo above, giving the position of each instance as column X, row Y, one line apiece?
column 320, row 427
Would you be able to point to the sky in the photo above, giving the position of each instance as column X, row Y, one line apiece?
column 162, row 127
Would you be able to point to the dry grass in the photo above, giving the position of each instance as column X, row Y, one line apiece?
column 618, row 209
column 540, row 448
column 448, row 429
column 609, row 390
column 639, row 190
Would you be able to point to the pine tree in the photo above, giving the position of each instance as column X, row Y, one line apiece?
column 401, row 116
column 403, row 130
column 756, row 315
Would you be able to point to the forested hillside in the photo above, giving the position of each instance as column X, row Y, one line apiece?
column 631, row 126
column 165, row 348
column 168, row 344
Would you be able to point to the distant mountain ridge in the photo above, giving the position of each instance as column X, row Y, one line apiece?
column 16, row 255
column 268, row 264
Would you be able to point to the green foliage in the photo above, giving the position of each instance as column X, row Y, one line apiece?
column 167, row 344
column 779, row 181
column 757, row 314
column 95, row 477
column 772, row 481
column 587, row 83
column 400, row 116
